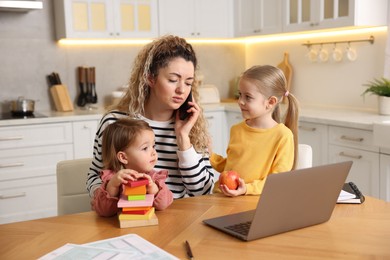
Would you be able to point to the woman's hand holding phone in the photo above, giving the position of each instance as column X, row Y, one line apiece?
column 183, row 127
column 183, row 109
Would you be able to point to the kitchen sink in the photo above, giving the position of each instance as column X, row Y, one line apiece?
column 381, row 132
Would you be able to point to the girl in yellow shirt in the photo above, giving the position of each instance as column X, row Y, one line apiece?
column 262, row 144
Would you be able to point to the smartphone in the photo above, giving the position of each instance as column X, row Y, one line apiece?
column 183, row 114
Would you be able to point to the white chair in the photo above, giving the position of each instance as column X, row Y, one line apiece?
column 305, row 156
column 72, row 196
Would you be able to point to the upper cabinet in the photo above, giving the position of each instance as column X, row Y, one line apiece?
column 210, row 19
column 263, row 17
column 196, row 18
column 303, row 15
column 254, row 17
column 106, row 18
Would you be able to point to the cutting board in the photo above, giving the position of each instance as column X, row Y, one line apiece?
column 285, row 66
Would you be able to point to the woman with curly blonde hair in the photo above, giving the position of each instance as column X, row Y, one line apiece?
column 163, row 75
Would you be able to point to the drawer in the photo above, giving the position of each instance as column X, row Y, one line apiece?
column 24, row 163
column 35, row 135
column 28, row 199
column 351, row 137
column 365, row 168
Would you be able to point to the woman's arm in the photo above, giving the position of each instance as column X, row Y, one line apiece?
column 196, row 172
column 195, row 168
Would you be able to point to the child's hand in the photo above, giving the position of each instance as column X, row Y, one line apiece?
column 121, row 177
column 152, row 187
column 241, row 190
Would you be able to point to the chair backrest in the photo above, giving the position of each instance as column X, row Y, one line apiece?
column 305, row 156
column 72, row 196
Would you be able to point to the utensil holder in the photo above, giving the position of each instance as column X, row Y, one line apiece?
column 61, row 98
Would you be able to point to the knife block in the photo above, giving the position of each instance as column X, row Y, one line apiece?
column 61, row 98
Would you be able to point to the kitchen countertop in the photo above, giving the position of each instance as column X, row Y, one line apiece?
column 342, row 117
column 331, row 116
column 55, row 117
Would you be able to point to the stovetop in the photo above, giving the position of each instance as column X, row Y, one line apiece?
column 9, row 115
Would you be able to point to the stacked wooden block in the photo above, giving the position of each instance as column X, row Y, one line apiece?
column 136, row 206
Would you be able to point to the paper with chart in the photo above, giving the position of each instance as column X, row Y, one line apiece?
column 129, row 246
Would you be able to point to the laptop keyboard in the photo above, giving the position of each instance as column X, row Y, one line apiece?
column 241, row 228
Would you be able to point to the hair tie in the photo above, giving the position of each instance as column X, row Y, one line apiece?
column 286, row 93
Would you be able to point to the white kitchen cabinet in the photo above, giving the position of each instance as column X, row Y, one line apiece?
column 232, row 118
column 83, row 138
column 257, row 17
column 303, row 15
column 27, row 199
column 356, row 145
column 315, row 135
column 365, row 168
column 35, row 135
column 106, row 18
column 385, row 177
column 196, row 18
column 217, row 126
column 28, row 159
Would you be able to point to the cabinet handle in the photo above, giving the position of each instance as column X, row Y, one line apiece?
column 350, row 155
column 355, row 139
column 306, row 128
column 7, row 165
column 16, row 195
column 257, row 30
column 10, row 138
column 209, row 117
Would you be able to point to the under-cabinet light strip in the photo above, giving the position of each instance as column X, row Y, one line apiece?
column 244, row 40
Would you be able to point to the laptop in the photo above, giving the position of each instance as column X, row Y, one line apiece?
column 289, row 201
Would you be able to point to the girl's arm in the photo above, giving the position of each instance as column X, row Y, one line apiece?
column 103, row 203
column 164, row 196
column 218, row 162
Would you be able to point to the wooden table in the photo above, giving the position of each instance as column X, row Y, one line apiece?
column 354, row 231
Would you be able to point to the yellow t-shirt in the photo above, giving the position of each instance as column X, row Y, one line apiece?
column 255, row 153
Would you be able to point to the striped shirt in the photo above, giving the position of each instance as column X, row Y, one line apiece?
column 189, row 172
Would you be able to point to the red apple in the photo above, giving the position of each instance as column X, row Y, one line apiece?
column 230, row 179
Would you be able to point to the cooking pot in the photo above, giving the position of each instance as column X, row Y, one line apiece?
column 22, row 106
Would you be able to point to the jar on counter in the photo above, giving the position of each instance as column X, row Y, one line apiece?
column 116, row 96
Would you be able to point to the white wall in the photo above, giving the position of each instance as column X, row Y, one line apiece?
column 327, row 84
